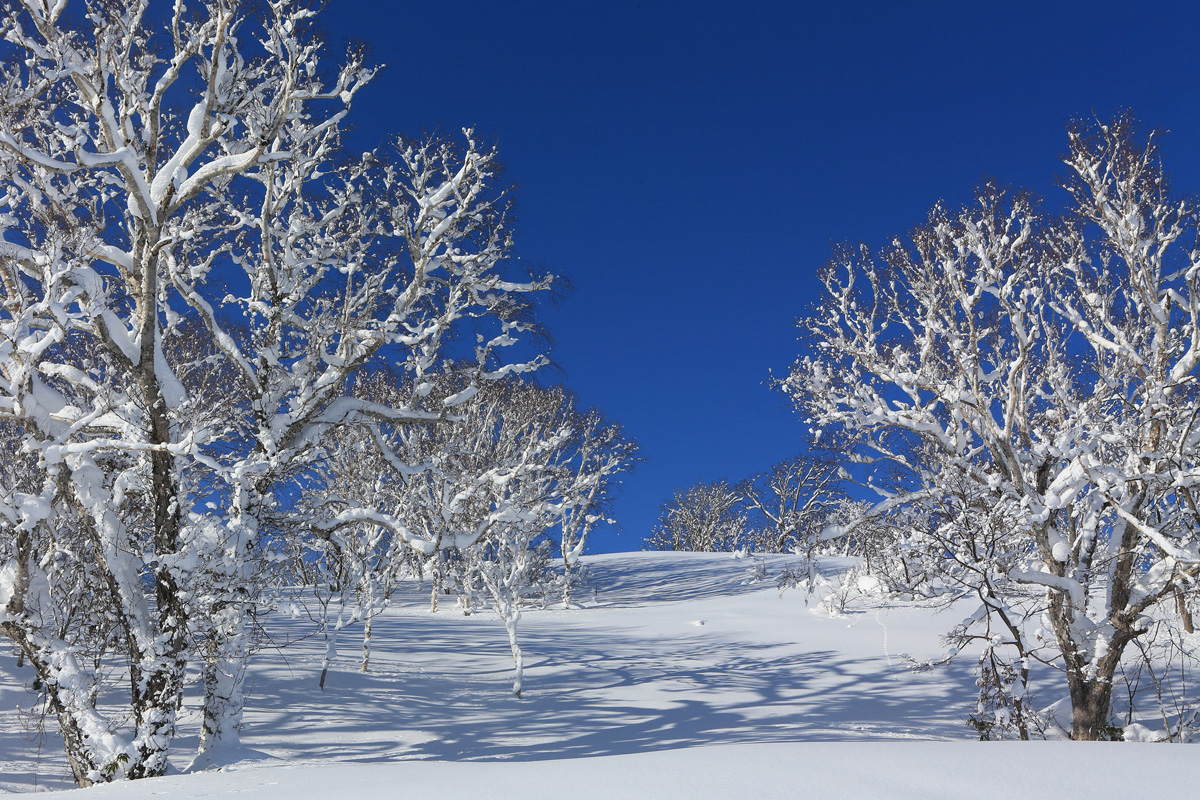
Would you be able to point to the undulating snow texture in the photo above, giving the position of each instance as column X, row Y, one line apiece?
column 675, row 675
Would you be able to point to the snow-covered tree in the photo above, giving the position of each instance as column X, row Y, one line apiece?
column 598, row 452
column 356, row 568
column 179, row 173
column 480, row 496
column 1027, row 386
column 790, row 504
column 551, row 467
column 705, row 517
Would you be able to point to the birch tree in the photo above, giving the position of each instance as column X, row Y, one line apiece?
column 1028, row 383
column 515, row 466
column 792, row 501
column 705, row 517
column 188, row 171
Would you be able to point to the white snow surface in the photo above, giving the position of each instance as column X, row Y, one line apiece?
column 680, row 677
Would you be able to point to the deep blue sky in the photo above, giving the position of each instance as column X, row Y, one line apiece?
column 687, row 166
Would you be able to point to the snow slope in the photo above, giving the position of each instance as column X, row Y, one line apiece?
column 681, row 677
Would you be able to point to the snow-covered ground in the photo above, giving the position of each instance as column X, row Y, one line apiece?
column 680, row 677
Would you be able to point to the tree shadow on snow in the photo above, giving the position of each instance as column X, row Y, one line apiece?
column 622, row 691
column 440, row 684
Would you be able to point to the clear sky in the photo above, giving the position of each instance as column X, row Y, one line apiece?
column 687, row 166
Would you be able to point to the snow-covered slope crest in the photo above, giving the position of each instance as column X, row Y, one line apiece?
column 684, row 675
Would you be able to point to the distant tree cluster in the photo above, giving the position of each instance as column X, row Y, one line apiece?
column 777, row 511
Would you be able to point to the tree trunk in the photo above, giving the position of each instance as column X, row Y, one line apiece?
column 1091, row 703
column 79, row 756
column 223, row 678
column 1185, row 614
column 73, row 740
column 510, row 624
column 566, row 582
column 331, row 636
column 157, row 678
column 366, row 662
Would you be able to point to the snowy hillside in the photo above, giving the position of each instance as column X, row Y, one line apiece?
column 682, row 676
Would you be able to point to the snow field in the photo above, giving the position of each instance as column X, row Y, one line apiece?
column 678, row 678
